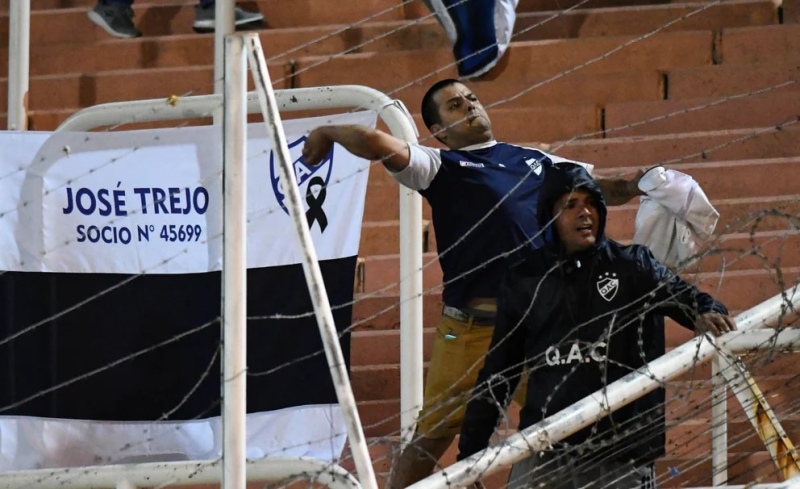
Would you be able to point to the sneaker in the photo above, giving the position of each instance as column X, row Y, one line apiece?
column 117, row 20
column 205, row 18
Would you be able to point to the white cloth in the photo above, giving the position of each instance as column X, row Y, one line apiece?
column 674, row 216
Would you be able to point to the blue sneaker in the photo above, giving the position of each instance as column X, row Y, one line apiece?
column 117, row 20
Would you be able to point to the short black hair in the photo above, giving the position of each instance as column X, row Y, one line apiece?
column 430, row 111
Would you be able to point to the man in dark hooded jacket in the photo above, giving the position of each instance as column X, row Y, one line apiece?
column 581, row 313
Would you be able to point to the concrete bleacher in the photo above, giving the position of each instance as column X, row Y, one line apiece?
column 715, row 93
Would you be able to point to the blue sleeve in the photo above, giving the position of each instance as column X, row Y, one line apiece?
column 672, row 296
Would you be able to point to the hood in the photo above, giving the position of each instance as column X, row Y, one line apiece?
column 561, row 179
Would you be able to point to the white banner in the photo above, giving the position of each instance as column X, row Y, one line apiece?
column 151, row 201
column 29, row 443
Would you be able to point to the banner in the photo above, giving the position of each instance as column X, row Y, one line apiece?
column 479, row 30
column 151, row 201
column 111, row 352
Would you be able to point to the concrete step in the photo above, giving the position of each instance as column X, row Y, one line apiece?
column 75, row 91
column 729, row 79
column 527, row 61
column 373, row 312
column 186, row 50
column 70, row 25
column 624, row 119
column 642, row 151
column 566, row 91
column 791, row 11
column 65, row 92
column 574, row 89
column 414, row 5
column 578, row 89
column 53, row 104
column 776, row 43
column 638, row 19
column 81, row 90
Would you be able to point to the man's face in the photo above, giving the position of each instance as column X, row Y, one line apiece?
column 577, row 220
column 463, row 119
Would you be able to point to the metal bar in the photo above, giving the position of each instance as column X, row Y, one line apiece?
column 596, row 406
column 202, row 106
column 234, row 267
column 719, row 425
column 753, row 402
column 223, row 26
column 179, row 474
column 774, row 485
column 786, row 339
column 19, row 39
column 399, row 123
column 316, row 287
column 411, row 374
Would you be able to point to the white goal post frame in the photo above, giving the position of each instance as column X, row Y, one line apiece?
column 397, row 119
column 394, row 114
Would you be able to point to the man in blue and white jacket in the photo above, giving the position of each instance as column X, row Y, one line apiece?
column 483, row 196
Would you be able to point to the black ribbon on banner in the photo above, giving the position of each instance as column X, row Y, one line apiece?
column 315, row 212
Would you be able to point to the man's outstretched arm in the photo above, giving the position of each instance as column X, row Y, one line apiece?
column 618, row 191
column 362, row 141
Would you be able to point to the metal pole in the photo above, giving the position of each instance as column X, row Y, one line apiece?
column 411, row 359
column 191, row 473
column 223, row 26
column 19, row 38
column 787, row 339
column 719, row 425
column 234, row 267
column 554, row 428
column 316, row 287
column 754, row 404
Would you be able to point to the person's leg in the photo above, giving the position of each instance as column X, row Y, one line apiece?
column 115, row 17
column 417, row 461
column 612, row 474
column 457, row 356
column 541, row 470
column 205, row 17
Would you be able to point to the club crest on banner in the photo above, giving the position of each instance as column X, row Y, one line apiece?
column 312, row 181
column 608, row 285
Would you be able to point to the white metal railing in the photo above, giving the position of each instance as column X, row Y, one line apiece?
column 313, row 274
column 540, row 436
column 234, row 265
column 398, row 121
column 19, row 35
column 178, row 473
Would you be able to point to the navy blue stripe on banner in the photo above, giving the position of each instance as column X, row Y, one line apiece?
column 152, row 309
